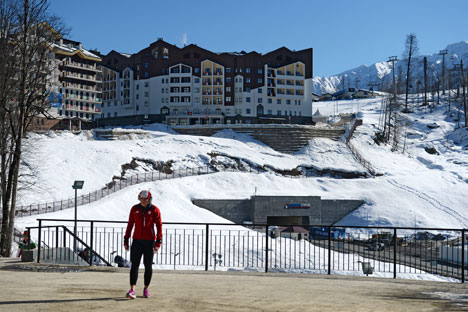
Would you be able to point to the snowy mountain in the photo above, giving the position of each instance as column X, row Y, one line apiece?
column 381, row 73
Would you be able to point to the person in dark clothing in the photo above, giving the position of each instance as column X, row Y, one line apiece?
column 142, row 220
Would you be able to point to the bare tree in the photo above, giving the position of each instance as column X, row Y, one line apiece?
column 28, row 32
column 411, row 50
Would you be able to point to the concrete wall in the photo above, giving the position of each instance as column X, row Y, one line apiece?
column 235, row 210
column 260, row 209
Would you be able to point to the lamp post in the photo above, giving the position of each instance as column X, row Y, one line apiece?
column 77, row 185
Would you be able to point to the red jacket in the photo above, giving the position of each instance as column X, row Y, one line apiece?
column 144, row 221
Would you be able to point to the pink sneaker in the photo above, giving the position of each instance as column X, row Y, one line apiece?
column 146, row 293
column 131, row 294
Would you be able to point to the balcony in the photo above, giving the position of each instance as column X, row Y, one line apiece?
column 206, row 73
column 76, row 65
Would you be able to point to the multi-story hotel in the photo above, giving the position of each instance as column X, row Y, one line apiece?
column 191, row 85
column 75, row 88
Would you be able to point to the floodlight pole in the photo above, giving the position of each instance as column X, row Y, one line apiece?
column 76, row 185
column 76, row 214
column 443, row 53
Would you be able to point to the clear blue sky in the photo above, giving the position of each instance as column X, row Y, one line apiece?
column 343, row 33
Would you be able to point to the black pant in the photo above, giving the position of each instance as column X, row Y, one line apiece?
column 139, row 248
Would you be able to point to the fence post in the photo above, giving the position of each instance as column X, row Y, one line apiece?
column 30, row 209
column 463, row 256
column 91, row 253
column 329, row 250
column 206, row 246
column 266, row 249
column 394, row 251
column 39, row 242
column 57, row 238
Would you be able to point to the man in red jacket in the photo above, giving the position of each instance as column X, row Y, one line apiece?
column 144, row 216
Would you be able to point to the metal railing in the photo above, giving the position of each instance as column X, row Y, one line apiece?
column 389, row 251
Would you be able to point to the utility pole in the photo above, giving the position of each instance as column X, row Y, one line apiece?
column 357, row 80
column 372, row 85
column 463, row 87
column 455, row 68
column 443, row 53
column 425, row 81
column 393, row 59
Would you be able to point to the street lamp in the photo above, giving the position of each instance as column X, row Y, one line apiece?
column 77, row 185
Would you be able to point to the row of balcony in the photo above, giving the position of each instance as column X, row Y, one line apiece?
column 95, row 68
column 82, row 98
column 209, row 102
column 288, row 73
column 216, row 73
column 216, row 83
column 72, row 75
column 76, row 86
column 86, row 109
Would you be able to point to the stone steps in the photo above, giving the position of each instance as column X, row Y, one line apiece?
column 286, row 139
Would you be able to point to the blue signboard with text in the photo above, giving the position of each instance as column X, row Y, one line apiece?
column 55, row 100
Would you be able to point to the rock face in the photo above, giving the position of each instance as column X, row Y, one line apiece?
column 431, row 150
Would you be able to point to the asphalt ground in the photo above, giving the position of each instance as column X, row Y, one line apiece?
column 40, row 287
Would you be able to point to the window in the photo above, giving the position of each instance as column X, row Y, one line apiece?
column 137, row 96
column 146, row 94
column 137, row 108
column 270, row 101
column 138, row 86
column 247, row 80
column 146, row 74
column 260, row 90
column 197, row 70
column 260, row 80
column 197, row 80
column 146, row 65
column 228, row 110
column 260, row 71
column 228, row 89
column 197, row 90
column 228, row 99
column 270, row 112
column 278, row 113
column 278, row 101
column 185, row 79
column 115, row 114
column 247, row 90
column 247, row 111
column 146, row 84
column 247, row 70
column 228, row 79
column 288, row 102
column 247, row 99
column 260, row 100
column 228, row 69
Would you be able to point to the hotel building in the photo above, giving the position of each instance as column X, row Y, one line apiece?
column 191, row 85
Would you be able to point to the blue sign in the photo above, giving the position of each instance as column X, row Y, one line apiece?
column 55, row 100
column 297, row 206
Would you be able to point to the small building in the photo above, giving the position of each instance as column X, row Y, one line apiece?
column 362, row 94
column 294, row 232
column 345, row 94
column 326, row 97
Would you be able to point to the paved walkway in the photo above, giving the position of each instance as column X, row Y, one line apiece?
column 33, row 287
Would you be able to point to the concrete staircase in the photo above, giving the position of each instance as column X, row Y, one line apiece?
column 282, row 138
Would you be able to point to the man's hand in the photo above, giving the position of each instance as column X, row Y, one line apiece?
column 156, row 248
column 126, row 245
